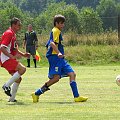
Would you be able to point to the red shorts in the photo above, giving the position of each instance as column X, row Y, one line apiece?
column 10, row 65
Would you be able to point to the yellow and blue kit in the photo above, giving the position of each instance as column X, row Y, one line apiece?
column 57, row 66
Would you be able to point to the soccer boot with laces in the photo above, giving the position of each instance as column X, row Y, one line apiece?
column 80, row 99
column 35, row 97
column 6, row 90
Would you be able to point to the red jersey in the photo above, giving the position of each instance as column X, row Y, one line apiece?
column 9, row 41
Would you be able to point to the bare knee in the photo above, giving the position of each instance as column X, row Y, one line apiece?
column 72, row 75
column 24, row 70
column 56, row 77
column 21, row 69
column 19, row 80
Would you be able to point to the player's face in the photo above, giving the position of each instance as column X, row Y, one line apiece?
column 17, row 26
column 60, row 25
column 29, row 28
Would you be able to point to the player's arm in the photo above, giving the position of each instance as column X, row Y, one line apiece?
column 4, row 44
column 24, row 42
column 23, row 54
column 36, row 41
column 36, row 44
column 3, row 49
column 55, row 42
column 53, row 45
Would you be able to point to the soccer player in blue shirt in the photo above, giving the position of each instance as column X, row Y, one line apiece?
column 58, row 66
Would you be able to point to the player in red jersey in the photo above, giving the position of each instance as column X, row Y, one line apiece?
column 9, row 56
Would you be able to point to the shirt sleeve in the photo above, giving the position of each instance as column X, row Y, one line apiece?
column 25, row 36
column 56, row 36
column 6, row 39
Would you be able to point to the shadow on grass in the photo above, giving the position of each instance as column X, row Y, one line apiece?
column 16, row 103
column 58, row 102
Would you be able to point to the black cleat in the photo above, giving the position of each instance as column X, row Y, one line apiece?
column 7, row 90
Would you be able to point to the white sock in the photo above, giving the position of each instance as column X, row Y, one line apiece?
column 14, row 91
column 15, row 77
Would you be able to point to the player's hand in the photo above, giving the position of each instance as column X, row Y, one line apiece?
column 60, row 55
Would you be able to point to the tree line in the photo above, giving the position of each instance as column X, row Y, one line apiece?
column 82, row 17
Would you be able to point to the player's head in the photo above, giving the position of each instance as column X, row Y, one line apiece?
column 59, row 21
column 15, row 24
column 29, row 27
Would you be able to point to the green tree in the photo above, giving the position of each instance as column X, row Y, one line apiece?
column 34, row 6
column 7, row 11
column 108, row 12
column 4, row 18
column 90, row 21
column 45, row 19
column 82, row 3
column 71, row 12
column 72, row 23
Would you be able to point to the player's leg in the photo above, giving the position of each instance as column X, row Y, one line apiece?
column 34, row 60
column 28, row 62
column 33, row 52
column 54, row 76
column 44, row 88
column 67, row 70
column 15, row 67
column 21, row 70
column 73, row 84
column 28, row 59
column 14, row 90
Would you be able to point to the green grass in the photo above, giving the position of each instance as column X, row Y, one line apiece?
column 96, row 82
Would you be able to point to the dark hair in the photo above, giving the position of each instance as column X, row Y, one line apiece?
column 14, row 21
column 59, row 18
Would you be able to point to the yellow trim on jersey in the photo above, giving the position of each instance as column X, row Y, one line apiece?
column 56, row 34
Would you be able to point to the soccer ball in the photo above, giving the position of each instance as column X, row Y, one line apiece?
column 118, row 80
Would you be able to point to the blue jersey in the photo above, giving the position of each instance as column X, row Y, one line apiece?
column 57, row 66
column 56, row 37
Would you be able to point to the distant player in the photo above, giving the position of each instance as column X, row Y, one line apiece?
column 58, row 66
column 31, row 44
column 9, row 54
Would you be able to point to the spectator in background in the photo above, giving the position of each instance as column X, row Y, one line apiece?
column 31, row 44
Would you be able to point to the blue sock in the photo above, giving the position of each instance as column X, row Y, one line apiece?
column 73, row 85
column 38, row 92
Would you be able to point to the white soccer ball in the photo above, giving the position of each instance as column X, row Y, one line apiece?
column 118, row 80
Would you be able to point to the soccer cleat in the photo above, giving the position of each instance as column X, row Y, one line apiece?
column 35, row 97
column 6, row 90
column 80, row 99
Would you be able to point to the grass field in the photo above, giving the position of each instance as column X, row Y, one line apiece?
column 96, row 82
